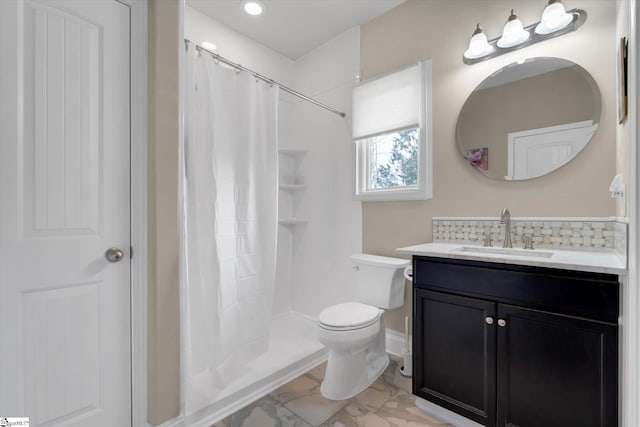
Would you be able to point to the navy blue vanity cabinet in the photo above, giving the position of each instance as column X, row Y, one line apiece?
column 516, row 346
column 454, row 353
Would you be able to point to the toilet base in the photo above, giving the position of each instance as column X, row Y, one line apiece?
column 352, row 371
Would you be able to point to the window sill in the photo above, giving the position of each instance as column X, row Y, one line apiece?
column 393, row 195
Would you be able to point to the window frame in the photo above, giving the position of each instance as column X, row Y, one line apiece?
column 424, row 189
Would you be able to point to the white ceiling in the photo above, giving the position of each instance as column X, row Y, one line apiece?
column 294, row 27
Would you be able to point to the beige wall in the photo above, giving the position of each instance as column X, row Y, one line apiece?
column 440, row 30
column 163, row 368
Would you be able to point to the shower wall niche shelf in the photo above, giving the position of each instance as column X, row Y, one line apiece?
column 292, row 185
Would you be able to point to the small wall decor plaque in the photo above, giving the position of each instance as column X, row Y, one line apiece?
column 621, row 77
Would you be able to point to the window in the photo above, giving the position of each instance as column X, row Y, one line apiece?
column 392, row 134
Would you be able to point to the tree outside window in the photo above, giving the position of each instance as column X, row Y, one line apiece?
column 394, row 160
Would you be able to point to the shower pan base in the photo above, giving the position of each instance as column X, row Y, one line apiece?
column 293, row 350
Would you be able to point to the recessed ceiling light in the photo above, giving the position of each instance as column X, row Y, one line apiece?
column 252, row 7
column 208, row 45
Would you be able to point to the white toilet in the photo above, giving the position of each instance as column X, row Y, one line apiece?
column 354, row 332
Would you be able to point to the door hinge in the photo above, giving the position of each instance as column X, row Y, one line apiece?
column 130, row 252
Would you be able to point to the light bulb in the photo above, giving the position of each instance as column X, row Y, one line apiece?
column 554, row 18
column 253, row 7
column 513, row 33
column 478, row 45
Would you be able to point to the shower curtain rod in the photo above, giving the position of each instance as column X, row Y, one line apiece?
column 265, row 79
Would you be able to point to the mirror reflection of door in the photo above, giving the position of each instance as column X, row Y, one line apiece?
column 536, row 152
column 546, row 97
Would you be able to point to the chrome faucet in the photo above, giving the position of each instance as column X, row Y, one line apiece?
column 505, row 218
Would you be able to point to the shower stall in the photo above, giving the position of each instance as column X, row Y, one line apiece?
column 268, row 222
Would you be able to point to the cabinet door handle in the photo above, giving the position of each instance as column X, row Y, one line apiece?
column 488, row 320
column 502, row 323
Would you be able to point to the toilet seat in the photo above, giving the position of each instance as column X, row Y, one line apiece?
column 348, row 316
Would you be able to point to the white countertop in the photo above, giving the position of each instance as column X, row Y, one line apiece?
column 597, row 261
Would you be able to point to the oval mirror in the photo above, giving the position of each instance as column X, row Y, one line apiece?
column 528, row 118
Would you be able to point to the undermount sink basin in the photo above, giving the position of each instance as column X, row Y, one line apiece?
column 504, row 251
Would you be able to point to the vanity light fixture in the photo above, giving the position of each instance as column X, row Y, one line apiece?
column 252, row 7
column 554, row 22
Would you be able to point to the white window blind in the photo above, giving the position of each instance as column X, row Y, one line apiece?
column 387, row 103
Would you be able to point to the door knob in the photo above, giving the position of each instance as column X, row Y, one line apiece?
column 113, row 254
column 502, row 322
column 489, row 320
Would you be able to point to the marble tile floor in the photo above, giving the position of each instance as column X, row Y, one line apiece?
column 386, row 403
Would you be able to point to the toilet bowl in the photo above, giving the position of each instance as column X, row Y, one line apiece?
column 354, row 332
column 356, row 346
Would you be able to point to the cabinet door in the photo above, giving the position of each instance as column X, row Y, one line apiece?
column 454, row 362
column 555, row 371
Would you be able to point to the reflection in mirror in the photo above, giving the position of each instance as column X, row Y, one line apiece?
column 528, row 118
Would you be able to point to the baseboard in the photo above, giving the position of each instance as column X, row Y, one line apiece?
column 444, row 414
column 395, row 342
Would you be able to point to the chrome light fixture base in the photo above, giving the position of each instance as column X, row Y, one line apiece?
column 579, row 17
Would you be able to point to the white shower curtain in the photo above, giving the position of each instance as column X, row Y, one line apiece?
column 230, row 201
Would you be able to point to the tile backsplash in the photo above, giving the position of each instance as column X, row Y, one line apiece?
column 569, row 233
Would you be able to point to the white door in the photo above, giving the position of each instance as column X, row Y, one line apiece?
column 64, row 200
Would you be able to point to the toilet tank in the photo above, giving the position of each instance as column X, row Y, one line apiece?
column 379, row 280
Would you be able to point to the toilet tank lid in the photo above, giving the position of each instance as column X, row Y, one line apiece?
column 380, row 261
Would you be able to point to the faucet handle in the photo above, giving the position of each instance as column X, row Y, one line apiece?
column 487, row 240
column 528, row 242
